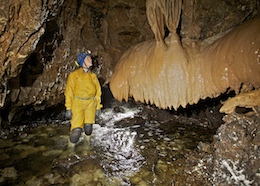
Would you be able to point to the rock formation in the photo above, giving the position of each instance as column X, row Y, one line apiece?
column 233, row 156
column 40, row 39
column 22, row 25
column 172, row 72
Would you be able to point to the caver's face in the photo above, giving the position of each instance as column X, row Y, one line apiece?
column 87, row 62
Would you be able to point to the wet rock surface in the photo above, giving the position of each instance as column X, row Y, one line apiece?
column 233, row 156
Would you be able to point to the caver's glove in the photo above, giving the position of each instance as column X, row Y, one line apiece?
column 98, row 113
column 68, row 114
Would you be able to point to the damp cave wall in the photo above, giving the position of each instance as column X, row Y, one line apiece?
column 39, row 41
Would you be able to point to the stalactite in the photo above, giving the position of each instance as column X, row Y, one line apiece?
column 170, row 72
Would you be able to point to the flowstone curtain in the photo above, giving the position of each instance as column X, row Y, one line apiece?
column 170, row 72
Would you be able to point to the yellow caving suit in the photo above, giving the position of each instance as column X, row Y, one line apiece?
column 82, row 97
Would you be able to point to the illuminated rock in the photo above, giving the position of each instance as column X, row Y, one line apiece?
column 170, row 72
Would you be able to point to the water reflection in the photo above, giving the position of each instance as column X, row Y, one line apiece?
column 125, row 149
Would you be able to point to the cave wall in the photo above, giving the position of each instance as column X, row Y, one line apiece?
column 40, row 39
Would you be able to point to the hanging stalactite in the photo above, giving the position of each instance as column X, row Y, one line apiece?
column 170, row 72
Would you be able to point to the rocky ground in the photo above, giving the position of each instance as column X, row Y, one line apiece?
column 233, row 158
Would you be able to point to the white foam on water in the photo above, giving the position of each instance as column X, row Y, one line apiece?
column 119, row 155
column 109, row 117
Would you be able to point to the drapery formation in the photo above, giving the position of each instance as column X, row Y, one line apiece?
column 169, row 72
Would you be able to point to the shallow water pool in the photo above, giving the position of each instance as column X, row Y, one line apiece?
column 125, row 148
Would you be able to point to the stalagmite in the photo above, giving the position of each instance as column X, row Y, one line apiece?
column 170, row 72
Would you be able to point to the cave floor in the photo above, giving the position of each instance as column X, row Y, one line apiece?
column 131, row 145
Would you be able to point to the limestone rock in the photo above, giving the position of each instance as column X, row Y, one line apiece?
column 234, row 157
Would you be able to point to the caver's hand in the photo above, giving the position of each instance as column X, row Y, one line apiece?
column 98, row 113
column 68, row 114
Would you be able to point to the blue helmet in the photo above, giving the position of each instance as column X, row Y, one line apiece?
column 80, row 58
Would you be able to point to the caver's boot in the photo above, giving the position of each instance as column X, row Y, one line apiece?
column 88, row 128
column 87, row 138
column 73, row 139
column 75, row 135
column 71, row 145
column 70, row 151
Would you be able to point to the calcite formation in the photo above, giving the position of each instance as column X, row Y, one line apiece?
column 40, row 39
column 246, row 99
column 172, row 72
